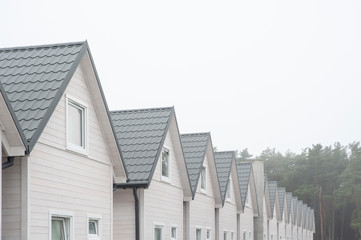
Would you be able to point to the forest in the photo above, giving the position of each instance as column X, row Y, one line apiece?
column 326, row 178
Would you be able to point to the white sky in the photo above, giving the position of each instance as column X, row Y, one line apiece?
column 256, row 74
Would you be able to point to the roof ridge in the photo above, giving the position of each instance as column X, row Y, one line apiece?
column 193, row 134
column 140, row 109
column 42, row 46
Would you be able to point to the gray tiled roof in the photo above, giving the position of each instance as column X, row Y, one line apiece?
column 244, row 172
column 272, row 188
column 294, row 203
column 34, row 79
column 288, row 202
column 194, row 148
column 140, row 135
column 300, row 211
column 223, row 166
column 281, row 199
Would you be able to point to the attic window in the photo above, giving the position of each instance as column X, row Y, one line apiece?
column 204, row 179
column 229, row 189
column 165, row 164
column 76, row 126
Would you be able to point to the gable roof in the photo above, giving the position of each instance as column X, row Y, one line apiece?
column 272, row 188
column 300, row 211
column 223, row 167
column 288, row 205
column 281, row 199
column 140, row 135
column 294, row 203
column 244, row 173
column 194, row 149
column 34, row 79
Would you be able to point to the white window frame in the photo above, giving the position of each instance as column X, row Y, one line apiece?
column 81, row 105
column 98, row 219
column 161, row 226
column 228, row 193
column 176, row 232
column 67, row 216
column 225, row 235
column 200, row 229
column 208, row 230
column 204, row 190
column 165, row 178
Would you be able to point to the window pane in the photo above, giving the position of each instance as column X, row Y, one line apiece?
column 198, row 234
column 203, row 178
column 57, row 230
column 208, row 234
column 174, row 233
column 229, row 189
column 224, row 235
column 165, row 159
column 93, row 227
column 157, row 234
column 75, row 128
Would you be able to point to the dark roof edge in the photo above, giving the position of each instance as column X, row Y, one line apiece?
column 199, row 173
column 106, row 106
column 160, row 145
column 214, row 159
column 141, row 109
column 130, row 185
column 42, row 46
column 57, row 97
column 15, row 119
column 184, row 159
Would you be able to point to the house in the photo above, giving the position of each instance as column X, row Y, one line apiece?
column 266, row 210
column 201, row 213
column 299, row 220
column 288, row 216
column 283, row 212
column 65, row 156
column 273, row 222
column 228, row 221
column 294, row 226
column 249, row 200
column 150, row 204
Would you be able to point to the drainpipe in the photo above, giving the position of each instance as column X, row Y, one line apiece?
column 9, row 163
column 136, row 203
column 135, row 187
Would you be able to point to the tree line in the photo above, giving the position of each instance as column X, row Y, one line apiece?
column 326, row 178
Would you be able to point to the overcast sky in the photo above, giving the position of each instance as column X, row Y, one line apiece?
column 256, row 74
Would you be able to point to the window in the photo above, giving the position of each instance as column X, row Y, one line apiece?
column 229, row 189
column 158, row 232
column 76, row 126
column 250, row 236
column 165, row 163
column 232, row 235
column 204, row 179
column 224, row 235
column 244, row 235
column 208, row 234
column 247, row 199
column 198, row 234
column 94, row 227
column 173, row 233
column 61, row 226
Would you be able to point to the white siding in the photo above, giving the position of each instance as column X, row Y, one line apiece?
column 124, row 214
column 62, row 180
column 202, row 209
column 273, row 225
column 11, row 201
column 163, row 201
column 246, row 218
column 282, row 226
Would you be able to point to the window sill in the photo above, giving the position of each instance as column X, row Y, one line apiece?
column 77, row 149
column 165, row 179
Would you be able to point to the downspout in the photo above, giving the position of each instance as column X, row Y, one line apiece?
column 135, row 187
column 136, row 208
column 8, row 163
